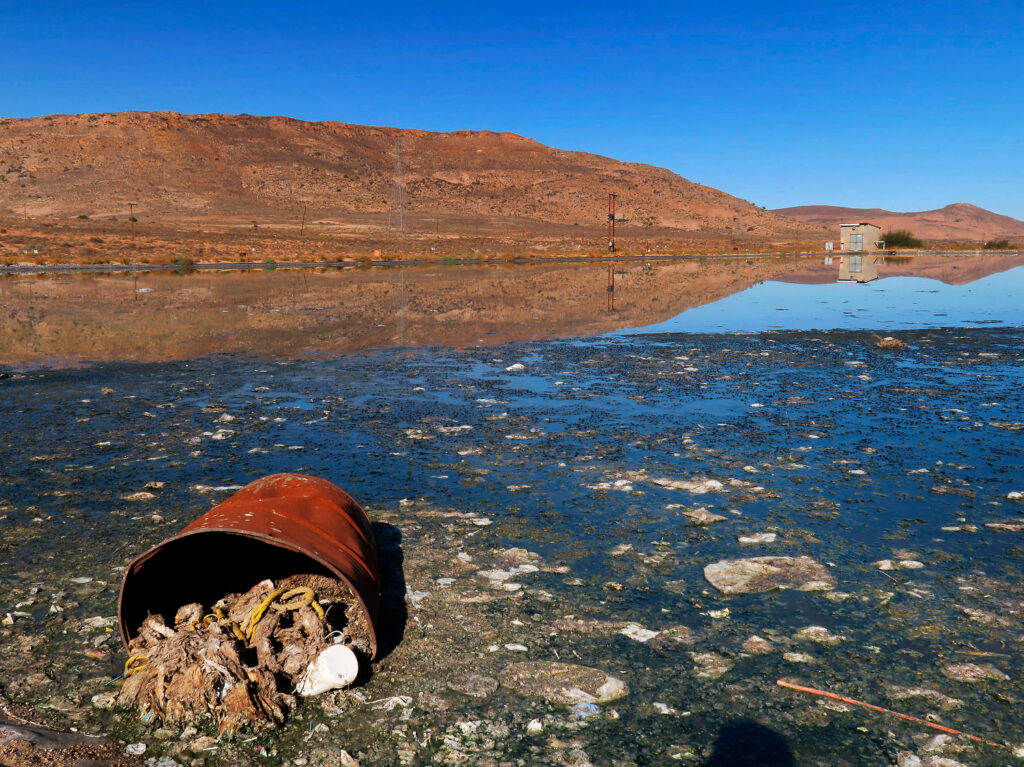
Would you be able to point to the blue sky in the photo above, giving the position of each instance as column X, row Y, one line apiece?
column 906, row 106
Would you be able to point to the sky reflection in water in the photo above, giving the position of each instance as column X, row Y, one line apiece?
column 892, row 303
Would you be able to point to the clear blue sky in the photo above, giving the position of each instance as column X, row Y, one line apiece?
column 905, row 106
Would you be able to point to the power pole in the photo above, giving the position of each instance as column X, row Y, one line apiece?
column 396, row 209
column 611, row 222
column 302, row 226
column 131, row 218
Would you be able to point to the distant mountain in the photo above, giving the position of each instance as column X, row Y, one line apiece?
column 960, row 221
column 187, row 167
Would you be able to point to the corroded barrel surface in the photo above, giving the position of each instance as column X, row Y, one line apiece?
column 274, row 527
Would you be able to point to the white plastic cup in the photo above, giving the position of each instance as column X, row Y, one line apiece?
column 335, row 667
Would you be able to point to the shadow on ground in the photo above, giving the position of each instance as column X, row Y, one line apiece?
column 745, row 743
column 393, row 610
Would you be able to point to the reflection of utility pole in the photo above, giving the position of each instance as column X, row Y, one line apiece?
column 611, row 222
column 611, row 288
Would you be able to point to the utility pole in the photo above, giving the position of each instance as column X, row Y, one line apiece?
column 396, row 209
column 302, row 226
column 611, row 222
column 131, row 218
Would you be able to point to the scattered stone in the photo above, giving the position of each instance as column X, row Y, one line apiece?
column 973, row 672
column 902, row 693
column 696, row 486
column 474, row 685
column 104, row 700
column 760, row 574
column 345, row 759
column 901, row 564
column 140, row 496
column 757, row 538
column 201, row 743
column 756, row 645
column 818, row 634
column 135, row 749
column 562, row 683
column 534, row 726
column 702, row 516
column 638, row 632
column 798, row 657
column 710, row 665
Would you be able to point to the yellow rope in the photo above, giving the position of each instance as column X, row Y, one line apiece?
column 300, row 597
column 130, row 667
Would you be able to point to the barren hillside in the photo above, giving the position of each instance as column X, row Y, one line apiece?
column 210, row 167
column 960, row 221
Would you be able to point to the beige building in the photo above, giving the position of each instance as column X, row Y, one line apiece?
column 860, row 237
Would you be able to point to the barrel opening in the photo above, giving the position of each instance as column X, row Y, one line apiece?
column 204, row 567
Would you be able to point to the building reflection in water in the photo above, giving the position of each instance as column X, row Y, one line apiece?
column 859, row 267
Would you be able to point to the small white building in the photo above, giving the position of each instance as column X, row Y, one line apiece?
column 861, row 236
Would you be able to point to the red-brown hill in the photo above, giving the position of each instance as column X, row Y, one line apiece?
column 213, row 166
column 959, row 221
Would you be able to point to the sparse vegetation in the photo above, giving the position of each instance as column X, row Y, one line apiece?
column 902, row 238
column 889, row 343
column 1000, row 245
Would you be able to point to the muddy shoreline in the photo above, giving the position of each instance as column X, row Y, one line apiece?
column 546, row 514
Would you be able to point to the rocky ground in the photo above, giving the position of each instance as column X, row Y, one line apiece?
column 600, row 552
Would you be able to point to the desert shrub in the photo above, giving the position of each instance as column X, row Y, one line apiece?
column 999, row 245
column 902, row 238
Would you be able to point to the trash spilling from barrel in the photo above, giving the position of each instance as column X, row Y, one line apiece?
column 199, row 647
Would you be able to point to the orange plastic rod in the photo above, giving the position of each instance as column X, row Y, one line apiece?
column 843, row 699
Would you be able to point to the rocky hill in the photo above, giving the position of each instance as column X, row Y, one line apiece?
column 959, row 221
column 213, row 166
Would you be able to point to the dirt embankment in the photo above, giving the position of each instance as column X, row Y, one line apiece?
column 219, row 185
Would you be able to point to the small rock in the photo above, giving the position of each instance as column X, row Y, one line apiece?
column 562, row 683
column 534, row 726
column 757, row 538
column 798, row 657
column 818, row 634
column 201, row 744
column 760, row 574
column 346, row 759
column 638, row 632
column 135, row 749
column 104, row 700
column 973, row 672
column 907, row 759
column 756, row 645
column 140, row 496
column 711, row 665
column 702, row 516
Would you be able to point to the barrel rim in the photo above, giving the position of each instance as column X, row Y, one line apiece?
column 150, row 553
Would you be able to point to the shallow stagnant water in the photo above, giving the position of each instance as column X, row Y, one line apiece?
column 848, row 453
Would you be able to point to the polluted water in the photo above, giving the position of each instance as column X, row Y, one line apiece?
column 593, row 550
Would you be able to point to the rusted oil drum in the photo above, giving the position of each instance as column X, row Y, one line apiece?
column 274, row 527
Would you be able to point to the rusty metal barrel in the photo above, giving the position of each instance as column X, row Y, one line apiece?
column 280, row 525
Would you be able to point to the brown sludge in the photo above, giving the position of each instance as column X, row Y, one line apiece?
column 240, row 661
